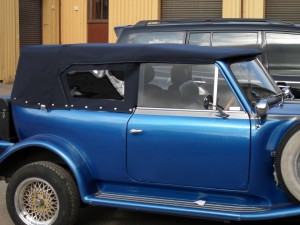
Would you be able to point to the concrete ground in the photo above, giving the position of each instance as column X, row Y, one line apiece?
column 5, row 89
column 4, row 217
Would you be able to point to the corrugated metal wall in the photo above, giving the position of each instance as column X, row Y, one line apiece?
column 73, row 21
column 254, row 8
column 287, row 10
column 30, row 14
column 232, row 9
column 124, row 12
column 243, row 8
column 172, row 9
column 50, row 21
column 9, row 39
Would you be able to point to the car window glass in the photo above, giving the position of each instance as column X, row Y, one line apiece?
column 155, row 38
column 96, row 84
column 254, row 81
column 283, row 53
column 183, row 86
column 200, row 39
column 241, row 40
column 226, row 100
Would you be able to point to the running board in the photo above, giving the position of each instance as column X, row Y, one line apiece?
column 200, row 205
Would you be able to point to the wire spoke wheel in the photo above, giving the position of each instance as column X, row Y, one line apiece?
column 42, row 193
column 36, row 202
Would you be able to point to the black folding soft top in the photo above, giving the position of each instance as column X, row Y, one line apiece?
column 39, row 69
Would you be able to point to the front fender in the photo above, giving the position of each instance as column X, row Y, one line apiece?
column 65, row 151
column 278, row 133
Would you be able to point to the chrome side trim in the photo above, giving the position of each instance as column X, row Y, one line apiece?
column 292, row 101
column 181, row 203
column 288, row 82
column 189, row 113
column 216, row 86
column 284, row 117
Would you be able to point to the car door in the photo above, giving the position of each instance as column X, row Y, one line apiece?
column 176, row 140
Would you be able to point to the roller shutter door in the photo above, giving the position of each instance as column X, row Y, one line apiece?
column 30, row 22
column 287, row 10
column 172, row 9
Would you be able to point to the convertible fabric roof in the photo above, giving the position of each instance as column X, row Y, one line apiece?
column 120, row 53
column 40, row 67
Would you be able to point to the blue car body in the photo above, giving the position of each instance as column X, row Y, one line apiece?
column 168, row 160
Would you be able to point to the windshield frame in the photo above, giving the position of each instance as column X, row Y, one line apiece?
column 272, row 98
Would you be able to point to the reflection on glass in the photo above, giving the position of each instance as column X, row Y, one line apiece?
column 156, row 37
column 105, row 10
column 97, row 9
column 183, row 86
column 283, row 53
column 254, row 81
column 200, row 39
column 90, row 9
column 97, row 84
column 245, row 40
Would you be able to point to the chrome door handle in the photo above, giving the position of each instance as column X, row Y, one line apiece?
column 134, row 131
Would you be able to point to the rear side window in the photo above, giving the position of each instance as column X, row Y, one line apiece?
column 283, row 53
column 96, row 84
column 103, row 87
column 200, row 39
column 155, row 38
column 241, row 40
column 225, row 39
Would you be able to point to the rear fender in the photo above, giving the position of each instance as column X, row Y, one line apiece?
column 65, row 151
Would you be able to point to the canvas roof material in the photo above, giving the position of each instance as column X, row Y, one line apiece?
column 40, row 67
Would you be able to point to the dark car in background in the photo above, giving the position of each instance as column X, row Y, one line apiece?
column 279, row 41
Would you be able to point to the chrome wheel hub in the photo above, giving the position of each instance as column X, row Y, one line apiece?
column 36, row 202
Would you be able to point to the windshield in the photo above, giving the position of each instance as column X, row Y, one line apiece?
column 254, row 81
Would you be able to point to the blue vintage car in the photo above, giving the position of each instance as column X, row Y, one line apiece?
column 176, row 129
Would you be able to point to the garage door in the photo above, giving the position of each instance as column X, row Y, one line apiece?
column 287, row 10
column 172, row 9
column 30, row 22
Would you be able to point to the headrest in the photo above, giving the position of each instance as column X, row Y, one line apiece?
column 180, row 74
column 149, row 74
column 189, row 90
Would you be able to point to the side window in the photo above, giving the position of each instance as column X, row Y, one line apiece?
column 225, row 98
column 97, row 9
column 96, row 84
column 184, row 86
column 240, row 40
column 155, row 38
column 200, row 39
column 283, row 53
column 101, row 87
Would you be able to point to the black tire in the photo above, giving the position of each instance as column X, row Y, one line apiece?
column 287, row 163
column 42, row 193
